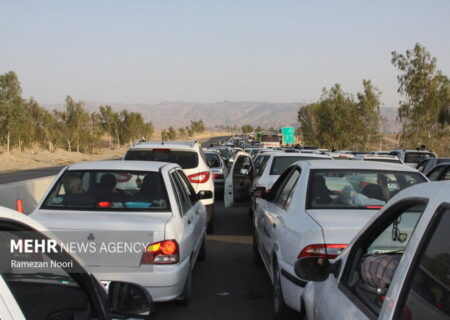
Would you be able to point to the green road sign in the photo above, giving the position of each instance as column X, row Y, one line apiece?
column 288, row 135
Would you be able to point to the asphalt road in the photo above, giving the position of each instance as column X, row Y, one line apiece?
column 14, row 176
column 226, row 285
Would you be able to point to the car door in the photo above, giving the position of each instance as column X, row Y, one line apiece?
column 354, row 291
column 188, row 215
column 437, row 173
column 239, row 181
column 425, row 292
column 268, row 219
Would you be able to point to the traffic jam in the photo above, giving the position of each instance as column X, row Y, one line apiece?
column 340, row 234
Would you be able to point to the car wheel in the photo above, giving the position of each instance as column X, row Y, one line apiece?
column 257, row 261
column 202, row 252
column 280, row 309
column 186, row 296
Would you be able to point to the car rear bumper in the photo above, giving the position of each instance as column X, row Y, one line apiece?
column 163, row 282
column 291, row 285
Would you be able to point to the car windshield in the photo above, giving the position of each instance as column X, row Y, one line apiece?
column 281, row 163
column 213, row 160
column 356, row 189
column 417, row 157
column 185, row 159
column 108, row 190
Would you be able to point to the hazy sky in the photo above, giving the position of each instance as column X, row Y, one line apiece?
column 152, row 51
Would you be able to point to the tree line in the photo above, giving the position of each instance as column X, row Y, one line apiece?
column 342, row 121
column 24, row 123
column 183, row 132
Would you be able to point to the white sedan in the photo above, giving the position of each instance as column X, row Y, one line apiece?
column 137, row 221
column 315, row 208
column 38, row 283
column 397, row 267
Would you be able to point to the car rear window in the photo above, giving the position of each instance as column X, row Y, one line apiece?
column 185, row 159
column 279, row 164
column 213, row 160
column 225, row 153
column 108, row 190
column 417, row 157
column 357, row 189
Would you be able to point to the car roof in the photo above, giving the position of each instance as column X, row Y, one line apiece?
column 413, row 150
column 359, row 165
column 166, row 145
column 120, row 165
column 299, row 154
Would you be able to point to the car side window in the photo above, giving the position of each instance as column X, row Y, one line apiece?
column 428, row 290
column 435, row 174
column 284, row 197
column 378, row 254
column 187, row 186
column 243, row 166
column 446, row 175
column 180, row 190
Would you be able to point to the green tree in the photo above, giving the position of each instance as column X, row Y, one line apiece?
column 424, row 109
column 246, row 129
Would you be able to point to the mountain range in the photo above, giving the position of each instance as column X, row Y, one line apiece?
column 224, row 113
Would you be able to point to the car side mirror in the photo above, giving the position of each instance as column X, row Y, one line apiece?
column 205, row 194
column 313, row 268
column 258, row 192
column 129, row 300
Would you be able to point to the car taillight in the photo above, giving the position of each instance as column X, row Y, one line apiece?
column 200, row 177
column 217, row 176
column 163, row 252
column 329, row 251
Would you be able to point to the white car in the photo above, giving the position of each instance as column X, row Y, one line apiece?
column 218, row 168
column 269, row 167
column 37, row 283
column 134, row 202
column 412, row 158
column 316, row 208
column 190, row 157
column 397, row 267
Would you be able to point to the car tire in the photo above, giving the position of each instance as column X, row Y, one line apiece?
column 257, row 261
column 280, row 309
column 202, row 253
column 186, row 296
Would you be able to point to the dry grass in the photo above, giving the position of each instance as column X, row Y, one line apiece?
column 36, row 158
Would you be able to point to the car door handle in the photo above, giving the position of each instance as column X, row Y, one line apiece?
column 189, row 221
column 274, row 225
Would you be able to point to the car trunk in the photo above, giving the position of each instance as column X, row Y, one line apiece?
column 119, row 238
column 341, row 225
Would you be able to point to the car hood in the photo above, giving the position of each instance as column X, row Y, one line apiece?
column 341, row 225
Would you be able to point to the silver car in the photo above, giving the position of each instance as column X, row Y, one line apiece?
column 397, row 267
column 218, row 168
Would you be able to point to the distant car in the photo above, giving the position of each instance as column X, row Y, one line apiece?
column 226, row 153
column 314, row 208
column 341, row 156
column 397, row 267
column 440, row 172
column 426, row 165
column 379, row 158
column 56, row 285
column 412, row 158
column 152, row 203
column 218, row 168
column 190, row 157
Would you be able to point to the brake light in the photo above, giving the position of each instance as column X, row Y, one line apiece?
column 374, row 207
column 104, row 204
column 329, row 251
column 217, row 176
column 163, row 252
column 200, row 177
